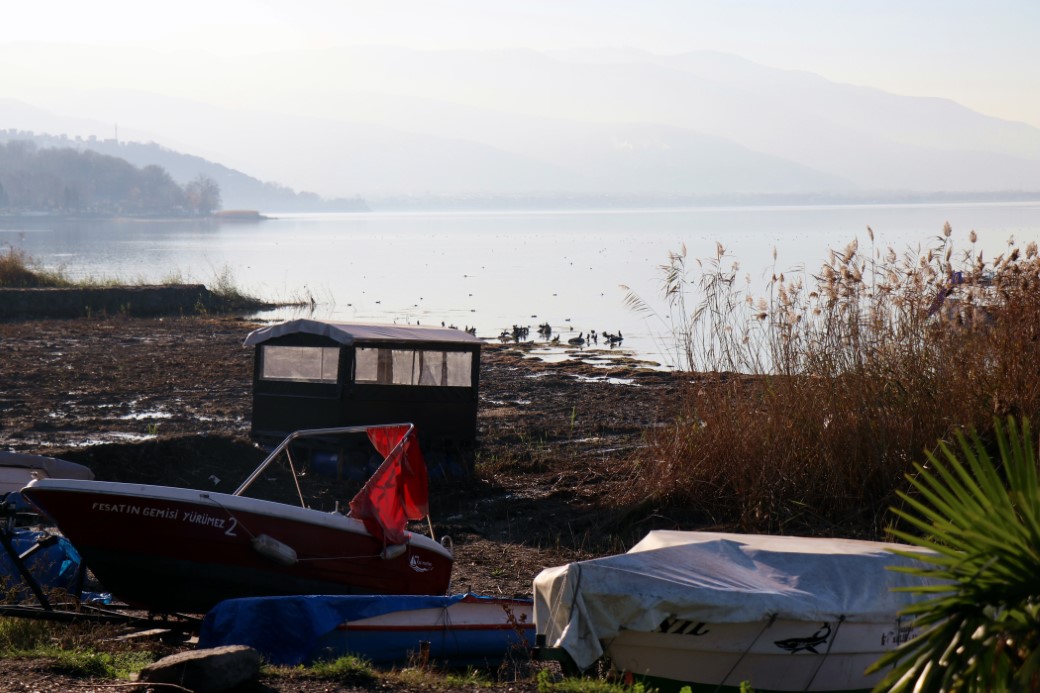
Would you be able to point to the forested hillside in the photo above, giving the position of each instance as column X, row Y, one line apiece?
column 69, row 181
column 237, row 190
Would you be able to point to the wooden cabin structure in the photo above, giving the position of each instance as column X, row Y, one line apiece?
column 317, row 374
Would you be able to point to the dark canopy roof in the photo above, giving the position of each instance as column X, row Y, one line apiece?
column 347, row 333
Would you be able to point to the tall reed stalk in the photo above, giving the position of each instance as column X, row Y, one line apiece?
column 810, row 403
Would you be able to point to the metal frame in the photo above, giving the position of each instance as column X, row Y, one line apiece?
column 313, row 433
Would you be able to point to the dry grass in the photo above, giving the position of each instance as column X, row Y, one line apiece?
column 818, row 397
column 18, row 270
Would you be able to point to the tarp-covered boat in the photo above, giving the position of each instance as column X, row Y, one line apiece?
column 717, row 610
column 460, row 629
column 18, row 468
column 184, row 550
column 35, row 563
column 49, row 561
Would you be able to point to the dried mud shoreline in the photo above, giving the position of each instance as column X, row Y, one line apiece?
column 167, row 400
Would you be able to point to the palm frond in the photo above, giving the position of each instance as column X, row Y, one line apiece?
column 981, row 583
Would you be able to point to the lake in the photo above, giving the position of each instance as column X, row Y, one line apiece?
column 493, row 270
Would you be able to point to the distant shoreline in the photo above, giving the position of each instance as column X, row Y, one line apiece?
column 237, row 216
column 566, row 203
column 594, row 202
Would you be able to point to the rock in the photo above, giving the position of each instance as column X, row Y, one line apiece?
column 206, row 671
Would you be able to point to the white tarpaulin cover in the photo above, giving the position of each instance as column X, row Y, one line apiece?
column 716, row 578
column 348, row 333
column 18, row 468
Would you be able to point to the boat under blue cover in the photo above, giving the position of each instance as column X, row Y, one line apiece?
column 461, row 629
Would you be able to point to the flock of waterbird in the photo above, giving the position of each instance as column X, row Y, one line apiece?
column 521, row 333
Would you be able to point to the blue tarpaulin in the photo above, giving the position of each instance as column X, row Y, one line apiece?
column 54, row 566
column 296, row 630
column 287, row 630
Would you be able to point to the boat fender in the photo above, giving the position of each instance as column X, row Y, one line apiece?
column 447, row 543
column 393, row 551
column 271, row 548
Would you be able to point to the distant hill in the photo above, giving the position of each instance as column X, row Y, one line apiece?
column 238, row 190
column 517, row 127
column 68, row 181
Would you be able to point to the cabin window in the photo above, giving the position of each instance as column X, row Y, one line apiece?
column 301, row 364
column 457, row 367
column 413, row 367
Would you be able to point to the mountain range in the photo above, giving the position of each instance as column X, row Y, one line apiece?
column 397, row 124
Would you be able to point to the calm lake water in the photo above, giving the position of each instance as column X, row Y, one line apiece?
column 492, row 270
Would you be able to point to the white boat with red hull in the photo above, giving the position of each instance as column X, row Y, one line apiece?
column 183, row 550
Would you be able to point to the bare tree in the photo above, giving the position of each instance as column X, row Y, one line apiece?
column 203, row 195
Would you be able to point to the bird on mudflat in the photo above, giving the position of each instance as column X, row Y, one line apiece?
column 577, row 341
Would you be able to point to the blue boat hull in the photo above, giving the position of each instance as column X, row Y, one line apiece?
column 458, row 630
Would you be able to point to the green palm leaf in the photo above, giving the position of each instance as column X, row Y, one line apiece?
column 980, row 586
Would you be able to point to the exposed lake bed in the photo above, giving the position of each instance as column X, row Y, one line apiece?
column 167, row 401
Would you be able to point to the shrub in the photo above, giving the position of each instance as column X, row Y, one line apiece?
column 19, row 635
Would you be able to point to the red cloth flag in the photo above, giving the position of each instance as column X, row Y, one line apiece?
column 398, row 491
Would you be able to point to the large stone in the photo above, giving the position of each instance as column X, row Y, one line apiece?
column 206, row 671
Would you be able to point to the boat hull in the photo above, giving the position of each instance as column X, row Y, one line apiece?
column 781, row 656
column 182, row 550
column 715, row 610
column 457, row 630
column 467, row 632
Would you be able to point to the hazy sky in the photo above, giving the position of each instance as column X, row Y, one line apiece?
column 983, row 55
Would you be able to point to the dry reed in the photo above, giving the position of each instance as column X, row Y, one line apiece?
column 812, row 402
column 18, row 270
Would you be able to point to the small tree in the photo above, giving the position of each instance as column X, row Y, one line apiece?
column 203, row 195
column 980, row 627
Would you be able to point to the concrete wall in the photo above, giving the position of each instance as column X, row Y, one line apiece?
column 184, row 299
